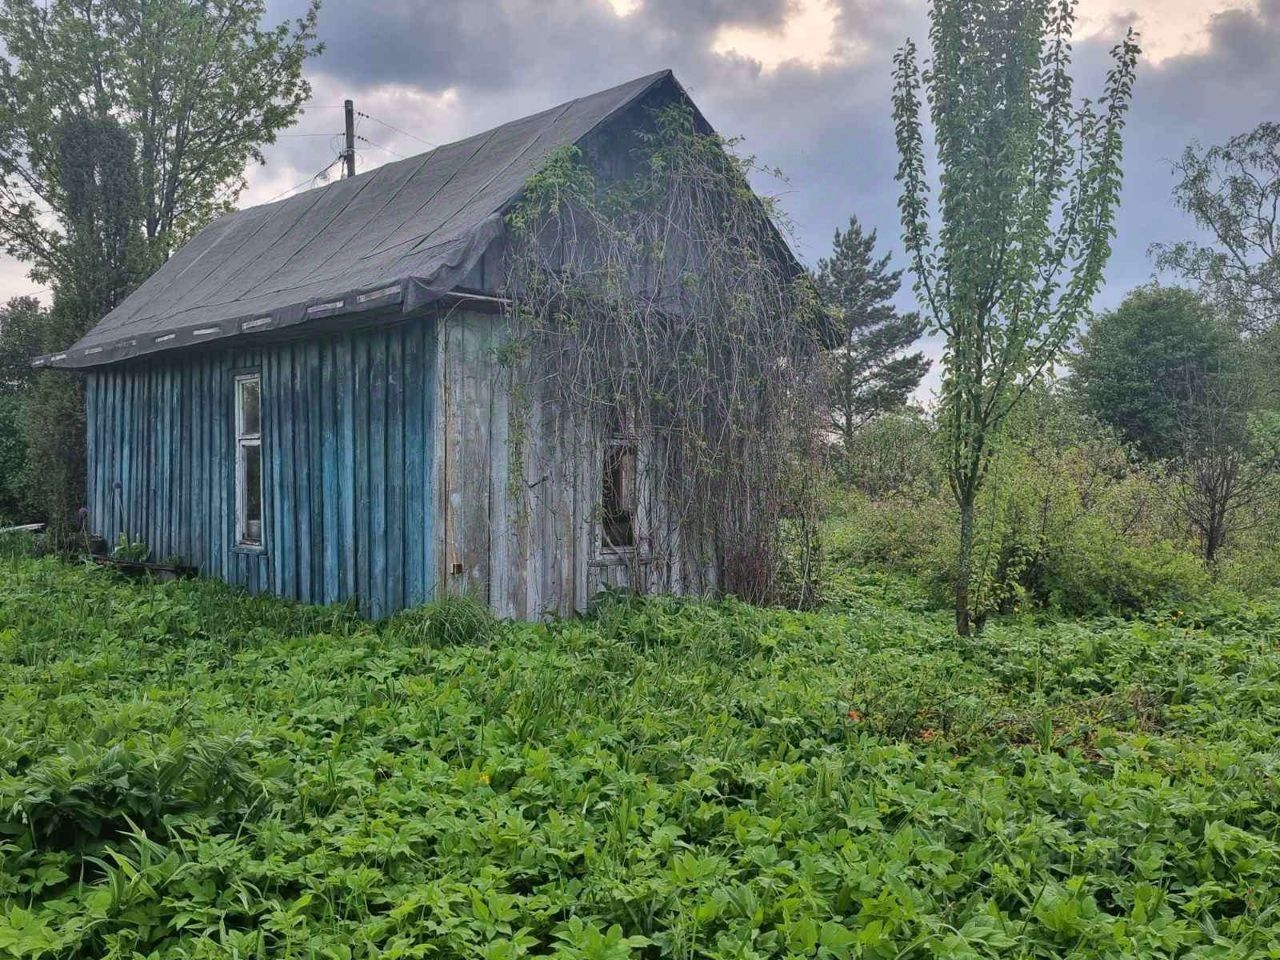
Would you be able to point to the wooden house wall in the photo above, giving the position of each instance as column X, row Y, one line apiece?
column 388, row 474
column 524, row 536
column 348, row 426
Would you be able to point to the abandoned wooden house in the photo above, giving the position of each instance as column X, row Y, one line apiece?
column 305, row 399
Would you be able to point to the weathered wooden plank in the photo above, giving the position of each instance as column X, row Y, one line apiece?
column 378, row 597
column 394, row 470
column 91, row 446
column 178, row 501
column 501, row 568
column 442, row 486
column 221, row 390
column 162, row 528
column 126, row 456
column 300, row 423
column 360, row 429
column 115, row 447
column 315, row 475
column 205, row 466
column 146, row 452
column 273, row 432
column 432, row 573
column 273, row 470
column 331, row 538
column 415, row 481
column 475, row 462
column 287, row 547
column 96, row 454
column 110, row 443
column 347, row 503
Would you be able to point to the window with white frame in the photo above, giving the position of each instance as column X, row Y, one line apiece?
column 249, row 459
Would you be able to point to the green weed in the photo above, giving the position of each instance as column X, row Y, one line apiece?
column 188, row 772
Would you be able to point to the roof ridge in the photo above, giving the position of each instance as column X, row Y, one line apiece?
column 651, row 78
column 347, row 248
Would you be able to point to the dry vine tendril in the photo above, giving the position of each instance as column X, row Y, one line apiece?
column 661, row 301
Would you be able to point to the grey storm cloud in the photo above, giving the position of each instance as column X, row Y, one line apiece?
column 827, row 127
column 482, row 46
column 1229, row 88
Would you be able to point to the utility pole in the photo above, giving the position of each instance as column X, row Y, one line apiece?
column 349, row 109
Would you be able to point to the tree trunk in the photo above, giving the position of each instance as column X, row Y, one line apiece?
column 964, row 569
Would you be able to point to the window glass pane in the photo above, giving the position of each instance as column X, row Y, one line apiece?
column 252, row 479
column 250, row 422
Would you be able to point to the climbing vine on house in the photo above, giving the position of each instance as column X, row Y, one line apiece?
column 659, row 300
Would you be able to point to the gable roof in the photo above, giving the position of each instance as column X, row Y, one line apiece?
column 405, row 233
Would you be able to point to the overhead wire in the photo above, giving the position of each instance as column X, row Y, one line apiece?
column 335, row 138
column 389, row 126
column 310, row 180
column 379, row 146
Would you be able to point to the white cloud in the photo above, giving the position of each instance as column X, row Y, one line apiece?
column 1169, row 28
column 807, row 36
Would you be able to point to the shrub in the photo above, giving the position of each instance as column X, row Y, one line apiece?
column 892, row 454
column 87, row 793
column 1069, row 519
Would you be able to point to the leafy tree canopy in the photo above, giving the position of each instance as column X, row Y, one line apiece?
column 1233, row 192
column 196, row 85
column 1131, row 358
column 22, row 336
column 1027, row 189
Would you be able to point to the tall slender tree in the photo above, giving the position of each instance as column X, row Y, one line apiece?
column 102, row 247
column 869, row 373
column 1028, row 185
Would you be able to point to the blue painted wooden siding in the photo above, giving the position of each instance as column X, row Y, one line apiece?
column 347, row 453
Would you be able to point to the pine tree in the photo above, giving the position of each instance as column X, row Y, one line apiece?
column 869, row 373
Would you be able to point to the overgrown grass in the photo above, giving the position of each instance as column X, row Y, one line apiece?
column 186, row 772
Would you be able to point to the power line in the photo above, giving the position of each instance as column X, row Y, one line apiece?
column 378, row 146
column 406, row 133
column 341, row 154
column 310, row 180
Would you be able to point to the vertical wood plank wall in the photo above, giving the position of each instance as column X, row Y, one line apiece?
column 528, row 545
column 348, row 425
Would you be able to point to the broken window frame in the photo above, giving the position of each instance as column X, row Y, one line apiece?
column 619, row 528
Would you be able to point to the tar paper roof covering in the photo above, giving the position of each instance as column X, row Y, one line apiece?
column 403, row 234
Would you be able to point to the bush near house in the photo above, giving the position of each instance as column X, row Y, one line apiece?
column 186, row 772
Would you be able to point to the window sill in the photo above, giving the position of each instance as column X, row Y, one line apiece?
column 253, row 549
column 620, row 557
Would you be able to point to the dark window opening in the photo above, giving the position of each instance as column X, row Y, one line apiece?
column 618, row 503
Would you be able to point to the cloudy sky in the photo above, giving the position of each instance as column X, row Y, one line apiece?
column 805, row 82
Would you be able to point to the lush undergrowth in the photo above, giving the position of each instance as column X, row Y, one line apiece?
column 188, row 772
